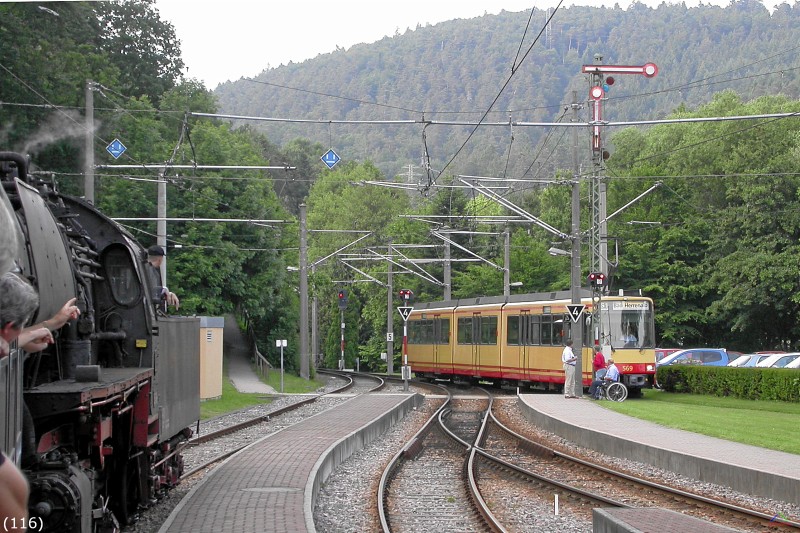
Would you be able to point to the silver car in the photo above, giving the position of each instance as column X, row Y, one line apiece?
column 778, row 360
column 748, row 360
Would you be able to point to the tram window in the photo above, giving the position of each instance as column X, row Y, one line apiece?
column 413, row 328
column 465, row 330
column 489, row 330
column 427, row 336
column 428, row 331
column 512, row 331
column 558, row 331
column 121, row 276
column 443, row 335
column 547, row 330
column 535, row 331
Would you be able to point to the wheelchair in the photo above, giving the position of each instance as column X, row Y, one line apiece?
column 612, row 390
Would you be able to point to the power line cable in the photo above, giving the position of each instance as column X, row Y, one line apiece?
column 500, row 92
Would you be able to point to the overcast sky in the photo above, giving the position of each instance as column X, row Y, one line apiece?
column 225, row 40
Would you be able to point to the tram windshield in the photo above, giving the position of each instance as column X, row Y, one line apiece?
column 627, row 324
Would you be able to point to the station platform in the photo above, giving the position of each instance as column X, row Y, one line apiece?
column 747, row 469
column 272, row 485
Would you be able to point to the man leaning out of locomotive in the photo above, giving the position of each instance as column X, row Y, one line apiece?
column 18, row 301
column 32, row 338
column 155, row 256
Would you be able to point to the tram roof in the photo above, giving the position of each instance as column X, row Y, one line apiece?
column 513, row 299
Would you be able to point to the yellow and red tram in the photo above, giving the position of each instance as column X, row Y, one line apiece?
column 518, row 340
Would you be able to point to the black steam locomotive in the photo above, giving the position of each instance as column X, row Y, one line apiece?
column 97, row 420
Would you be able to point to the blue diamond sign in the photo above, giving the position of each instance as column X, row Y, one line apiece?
column 116, row 148
column 330, row 158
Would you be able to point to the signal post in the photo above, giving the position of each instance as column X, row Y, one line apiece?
column 342, row 306
column 406, row 296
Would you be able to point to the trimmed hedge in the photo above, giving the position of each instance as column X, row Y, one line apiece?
column 747, row 383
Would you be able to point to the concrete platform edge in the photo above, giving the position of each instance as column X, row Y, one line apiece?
column 347, row 446
column 624, row 520
column 742, row 479
column 604, row 522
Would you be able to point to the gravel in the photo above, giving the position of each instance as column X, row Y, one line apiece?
column 346, row 502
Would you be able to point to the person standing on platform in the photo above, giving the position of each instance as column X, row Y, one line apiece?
column 568, row 359
column 599, row 364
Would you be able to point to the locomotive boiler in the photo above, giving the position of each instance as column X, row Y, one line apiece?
column 96, row 421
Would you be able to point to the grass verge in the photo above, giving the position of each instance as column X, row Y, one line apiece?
column 233, row 400
column 770, row 425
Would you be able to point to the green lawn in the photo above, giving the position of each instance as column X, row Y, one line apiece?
column 764, row 424
column 233, row 400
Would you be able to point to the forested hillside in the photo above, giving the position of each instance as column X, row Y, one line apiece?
column 454, row 71
column 716, row 241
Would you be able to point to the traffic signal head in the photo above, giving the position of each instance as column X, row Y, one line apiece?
column 342, row 298
column 406, row 295
column 597, row 280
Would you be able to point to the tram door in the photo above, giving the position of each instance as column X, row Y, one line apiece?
column 436, row 341
column 525, row 344
column 476, row 343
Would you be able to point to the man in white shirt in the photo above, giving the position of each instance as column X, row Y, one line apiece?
column 568, row 359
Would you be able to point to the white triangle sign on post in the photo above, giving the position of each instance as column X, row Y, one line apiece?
column 575, row 311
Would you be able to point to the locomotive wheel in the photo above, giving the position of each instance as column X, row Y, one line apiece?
column 128, row 494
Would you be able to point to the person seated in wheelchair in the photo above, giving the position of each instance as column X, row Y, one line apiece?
column 611, row 375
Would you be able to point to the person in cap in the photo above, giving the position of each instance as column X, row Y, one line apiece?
column 15, row 309
column 155, row 258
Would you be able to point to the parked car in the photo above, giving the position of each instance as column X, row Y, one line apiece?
column 779, row 360
column 748, row 360
column 794, row 364
column 663, row 352
column 700, row 356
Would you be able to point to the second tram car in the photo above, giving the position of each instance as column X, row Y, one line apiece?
column 518, row 340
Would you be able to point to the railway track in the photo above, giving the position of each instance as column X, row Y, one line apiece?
column 463, row 473
column 426, row 486
column 580, row 485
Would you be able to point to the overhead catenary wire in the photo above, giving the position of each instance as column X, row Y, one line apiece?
column 690, row 85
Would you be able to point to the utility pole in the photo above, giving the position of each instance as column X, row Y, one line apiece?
column 314, row 323
column 575, row 271
column 507, row 259
column 447, row 282
column 88, row 165
column 304, row 355
column 161, row 224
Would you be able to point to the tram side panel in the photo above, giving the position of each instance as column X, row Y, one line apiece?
column 476, row 347
column 534, row 336
column 430, row 334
